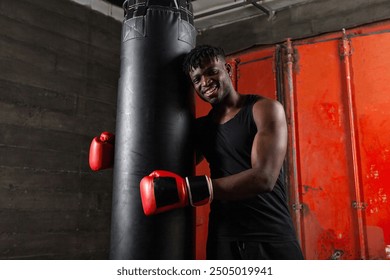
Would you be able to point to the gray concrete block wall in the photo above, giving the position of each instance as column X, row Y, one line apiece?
column 59, row 70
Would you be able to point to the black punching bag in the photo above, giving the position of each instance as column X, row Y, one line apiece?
column 154, row 115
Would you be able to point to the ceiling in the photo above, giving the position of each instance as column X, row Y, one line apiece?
column 210, row 14
column 240, row 24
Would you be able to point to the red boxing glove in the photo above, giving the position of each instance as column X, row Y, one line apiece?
column 101, row 151
column 163, row 191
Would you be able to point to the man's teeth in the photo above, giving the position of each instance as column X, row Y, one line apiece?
column 210, row 90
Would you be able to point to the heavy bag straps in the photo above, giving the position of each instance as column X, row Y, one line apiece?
column 135, row 8
column 186, row 11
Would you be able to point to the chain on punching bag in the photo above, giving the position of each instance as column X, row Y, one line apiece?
column 154, row 115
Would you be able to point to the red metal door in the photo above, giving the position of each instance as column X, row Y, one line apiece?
column 342, row 127
column 325, row 173
column 335, row 89
column 370, row 62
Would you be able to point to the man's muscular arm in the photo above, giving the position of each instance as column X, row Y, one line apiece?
column 267, row 156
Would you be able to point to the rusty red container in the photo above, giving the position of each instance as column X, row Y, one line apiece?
column 336, row 92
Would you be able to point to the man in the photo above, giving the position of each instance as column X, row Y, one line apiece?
column 244, row 140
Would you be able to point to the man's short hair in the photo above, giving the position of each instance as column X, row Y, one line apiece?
column 200, row 54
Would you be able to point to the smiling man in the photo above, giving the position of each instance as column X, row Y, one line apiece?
column 244, row 140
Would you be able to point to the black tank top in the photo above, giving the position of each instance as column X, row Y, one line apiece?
column 227, row 148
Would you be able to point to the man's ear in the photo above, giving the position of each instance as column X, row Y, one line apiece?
column 229, row 69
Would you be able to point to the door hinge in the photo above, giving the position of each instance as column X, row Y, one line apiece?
column 359, row 205
column 337, row 254
column 297, row 206
column 345, row 45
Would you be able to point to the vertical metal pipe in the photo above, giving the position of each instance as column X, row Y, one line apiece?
column 292, row 147
column 346, row 53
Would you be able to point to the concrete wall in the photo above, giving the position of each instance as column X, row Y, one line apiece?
column 105, row 7
column 59, row 69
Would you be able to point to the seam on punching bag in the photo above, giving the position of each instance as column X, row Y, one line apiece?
column 187, row 32
column 134, row 28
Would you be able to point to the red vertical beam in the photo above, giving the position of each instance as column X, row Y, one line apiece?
column 292, row 134
column 346, row 52
column 234, row 63
column 202, row 212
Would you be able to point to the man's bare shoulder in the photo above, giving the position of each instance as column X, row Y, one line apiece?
column 267, row 104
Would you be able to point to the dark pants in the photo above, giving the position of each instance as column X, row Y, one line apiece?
column 253, row 250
